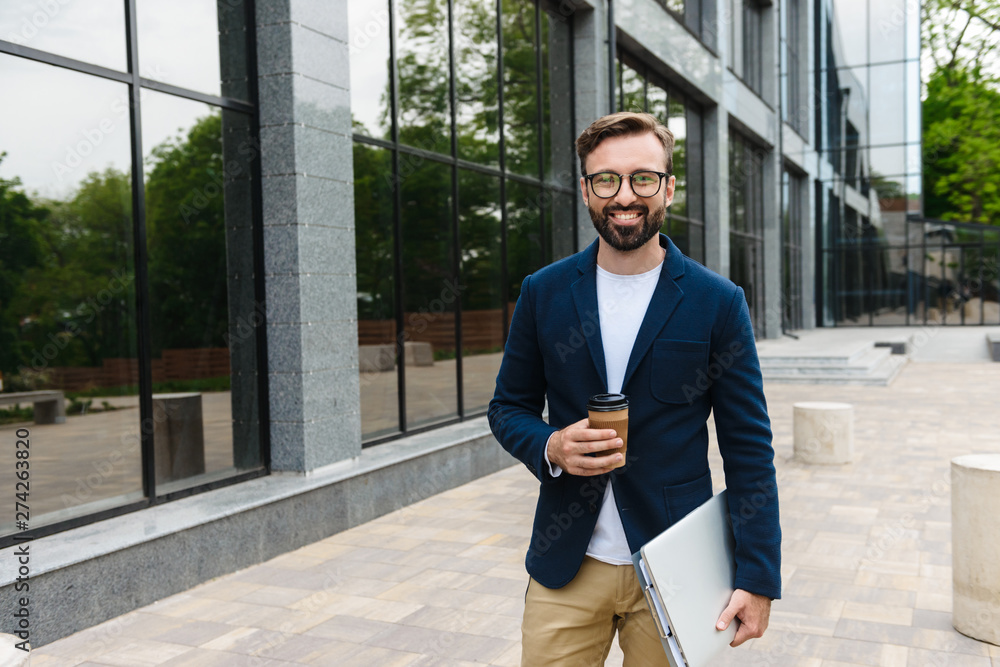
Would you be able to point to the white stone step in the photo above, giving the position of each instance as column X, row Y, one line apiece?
column 874, row 366
column 863, row 362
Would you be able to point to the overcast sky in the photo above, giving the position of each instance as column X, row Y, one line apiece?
column 57, row 125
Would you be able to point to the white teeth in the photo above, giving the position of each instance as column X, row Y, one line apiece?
column 630, row 216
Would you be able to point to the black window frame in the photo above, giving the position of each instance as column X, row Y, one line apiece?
column 136, row 84
column 548, row 188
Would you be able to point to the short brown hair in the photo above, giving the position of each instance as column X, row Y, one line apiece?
column 622, row 124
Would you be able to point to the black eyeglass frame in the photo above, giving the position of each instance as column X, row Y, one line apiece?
column 631, row 184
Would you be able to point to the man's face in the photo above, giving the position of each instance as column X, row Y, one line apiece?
column 626, row 221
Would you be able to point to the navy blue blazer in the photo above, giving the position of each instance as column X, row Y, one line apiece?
column 694, row 354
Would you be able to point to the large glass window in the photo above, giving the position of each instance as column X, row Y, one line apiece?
column 446, row 233
column 746, row 41
column 641, row 89
column 792, row 219
column 794, row 107
column 867, row 127
column 128, row 317
column 746, row 222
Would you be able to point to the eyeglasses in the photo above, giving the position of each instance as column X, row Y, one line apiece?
column 606, row 184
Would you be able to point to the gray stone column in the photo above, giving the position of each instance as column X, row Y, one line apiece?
column 309, row 261
column 716, row 137
column 773, row 249
column 808, row 253
column 590, row 58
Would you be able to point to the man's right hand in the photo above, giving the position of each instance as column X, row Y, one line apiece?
column 569, row 449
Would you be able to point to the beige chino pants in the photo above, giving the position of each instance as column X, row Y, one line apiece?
column 574, row 626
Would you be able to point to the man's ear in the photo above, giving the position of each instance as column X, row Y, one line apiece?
column 583, row 190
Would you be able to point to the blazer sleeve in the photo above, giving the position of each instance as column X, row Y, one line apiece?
column 744, row 434
column 515, row 413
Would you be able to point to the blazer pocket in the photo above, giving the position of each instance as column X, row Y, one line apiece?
column 675, row 376
column 681, row 499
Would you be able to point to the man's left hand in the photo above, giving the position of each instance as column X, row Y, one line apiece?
column 752, row 610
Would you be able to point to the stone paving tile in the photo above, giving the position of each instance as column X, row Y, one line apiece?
column 866, row 571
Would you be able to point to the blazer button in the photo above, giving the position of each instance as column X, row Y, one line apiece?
column 593, row 508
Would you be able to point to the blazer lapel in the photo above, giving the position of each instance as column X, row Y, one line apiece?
column 665, row 299
column 585, row 298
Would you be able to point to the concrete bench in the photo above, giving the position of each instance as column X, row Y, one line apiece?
column 50, row 404
column 418, row 354
column 823, row 432
column 178, row 436
column 975, row 546
column 376, row 358
column 993, row 340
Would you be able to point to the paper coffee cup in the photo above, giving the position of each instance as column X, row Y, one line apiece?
column 610, row 411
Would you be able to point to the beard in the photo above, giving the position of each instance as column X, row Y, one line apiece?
column 626, row 239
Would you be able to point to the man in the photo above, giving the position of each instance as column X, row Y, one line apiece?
column 631, row 314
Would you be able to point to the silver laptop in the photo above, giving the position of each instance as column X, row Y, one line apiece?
column 687, row 573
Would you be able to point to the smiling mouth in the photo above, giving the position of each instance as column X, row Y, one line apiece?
column 625, row 216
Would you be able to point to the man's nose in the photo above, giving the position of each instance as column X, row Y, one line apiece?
column 625, row 194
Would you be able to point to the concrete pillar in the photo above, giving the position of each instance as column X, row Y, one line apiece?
column 823, row 432
column 975, row 546
column 308, row 207
column 716, row 138
column 590, row 59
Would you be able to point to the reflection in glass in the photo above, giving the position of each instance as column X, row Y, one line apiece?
column 202, row 308
column 678, row 125
column 656, row 99
column 213, row 59
column 746, row 223
column 524, row 237
column 92, row 31
column 376, row 291
column 476, row 81
column 371, row 107
column 67, row 310
column 521, row 90
column 480, row 226
column 422, row 62
column 429, row 294
column 633, row 95
column 887, row 28
column 887, row 87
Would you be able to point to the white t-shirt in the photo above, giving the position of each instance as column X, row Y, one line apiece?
column 622, row 301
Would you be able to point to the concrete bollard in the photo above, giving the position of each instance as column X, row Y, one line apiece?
column 10, row 655
column 823, row 432
column 975, row 546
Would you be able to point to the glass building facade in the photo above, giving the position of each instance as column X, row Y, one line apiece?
column 127, row 231
column 464, row 184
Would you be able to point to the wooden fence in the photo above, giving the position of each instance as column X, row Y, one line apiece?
column 183, row 364
column 481, row 329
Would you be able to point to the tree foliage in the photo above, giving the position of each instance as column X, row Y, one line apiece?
column 961, row 110
column 67, row 268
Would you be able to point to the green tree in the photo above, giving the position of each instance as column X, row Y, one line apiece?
column 78, row 301
column 961, row 110
column 186, row 238
column 21, row 249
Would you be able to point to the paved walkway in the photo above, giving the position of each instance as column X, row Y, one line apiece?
column 867, row 576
